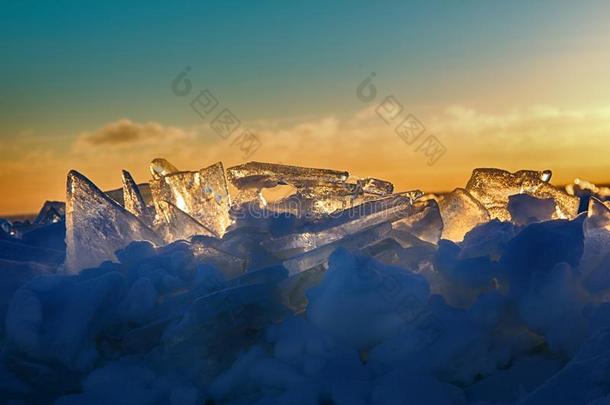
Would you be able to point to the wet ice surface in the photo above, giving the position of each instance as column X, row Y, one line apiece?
column 343, row 292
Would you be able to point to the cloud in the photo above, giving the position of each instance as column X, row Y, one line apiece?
column 362, row 142
column 570, row 142
column 125, row 133
column 539, row 124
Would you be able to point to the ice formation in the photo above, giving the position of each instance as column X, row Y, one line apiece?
column 96, row 225
column 133, row 200
column 318, row 191
column 492, row 187
column 344, row 291
column 202, row 195
column 50, row 213
column 460, row 212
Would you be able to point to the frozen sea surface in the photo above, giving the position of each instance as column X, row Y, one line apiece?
column 343, row 292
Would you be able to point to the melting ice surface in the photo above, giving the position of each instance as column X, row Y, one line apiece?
column 196, row 287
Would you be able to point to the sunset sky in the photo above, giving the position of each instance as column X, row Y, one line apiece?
column 500, row 84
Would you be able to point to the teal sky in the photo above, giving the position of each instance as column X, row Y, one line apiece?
column 68, row 67
column 66, row 64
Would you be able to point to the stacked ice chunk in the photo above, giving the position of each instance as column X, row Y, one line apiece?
column 187, row 204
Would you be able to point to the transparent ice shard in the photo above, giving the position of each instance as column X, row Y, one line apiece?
column 133, row 200
column 345, row 223
column 318, row 191
column 318, row 200
column 50, row 213
column 177, row 224
column 160, row 167
column 331, row 191
column 492, row 187
column 319, row 256
column 203, row 195
column 425, row 223
column 371, row 185
column 389, row 208
column 249, row 196
column 460, row 212
column 5, row 228
column 259, row 175
column 322, row 199
column 96, row 225
column 144, row 189
column 598, row 215
column 230, row 265
column 218, row 200
column 332, row 197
